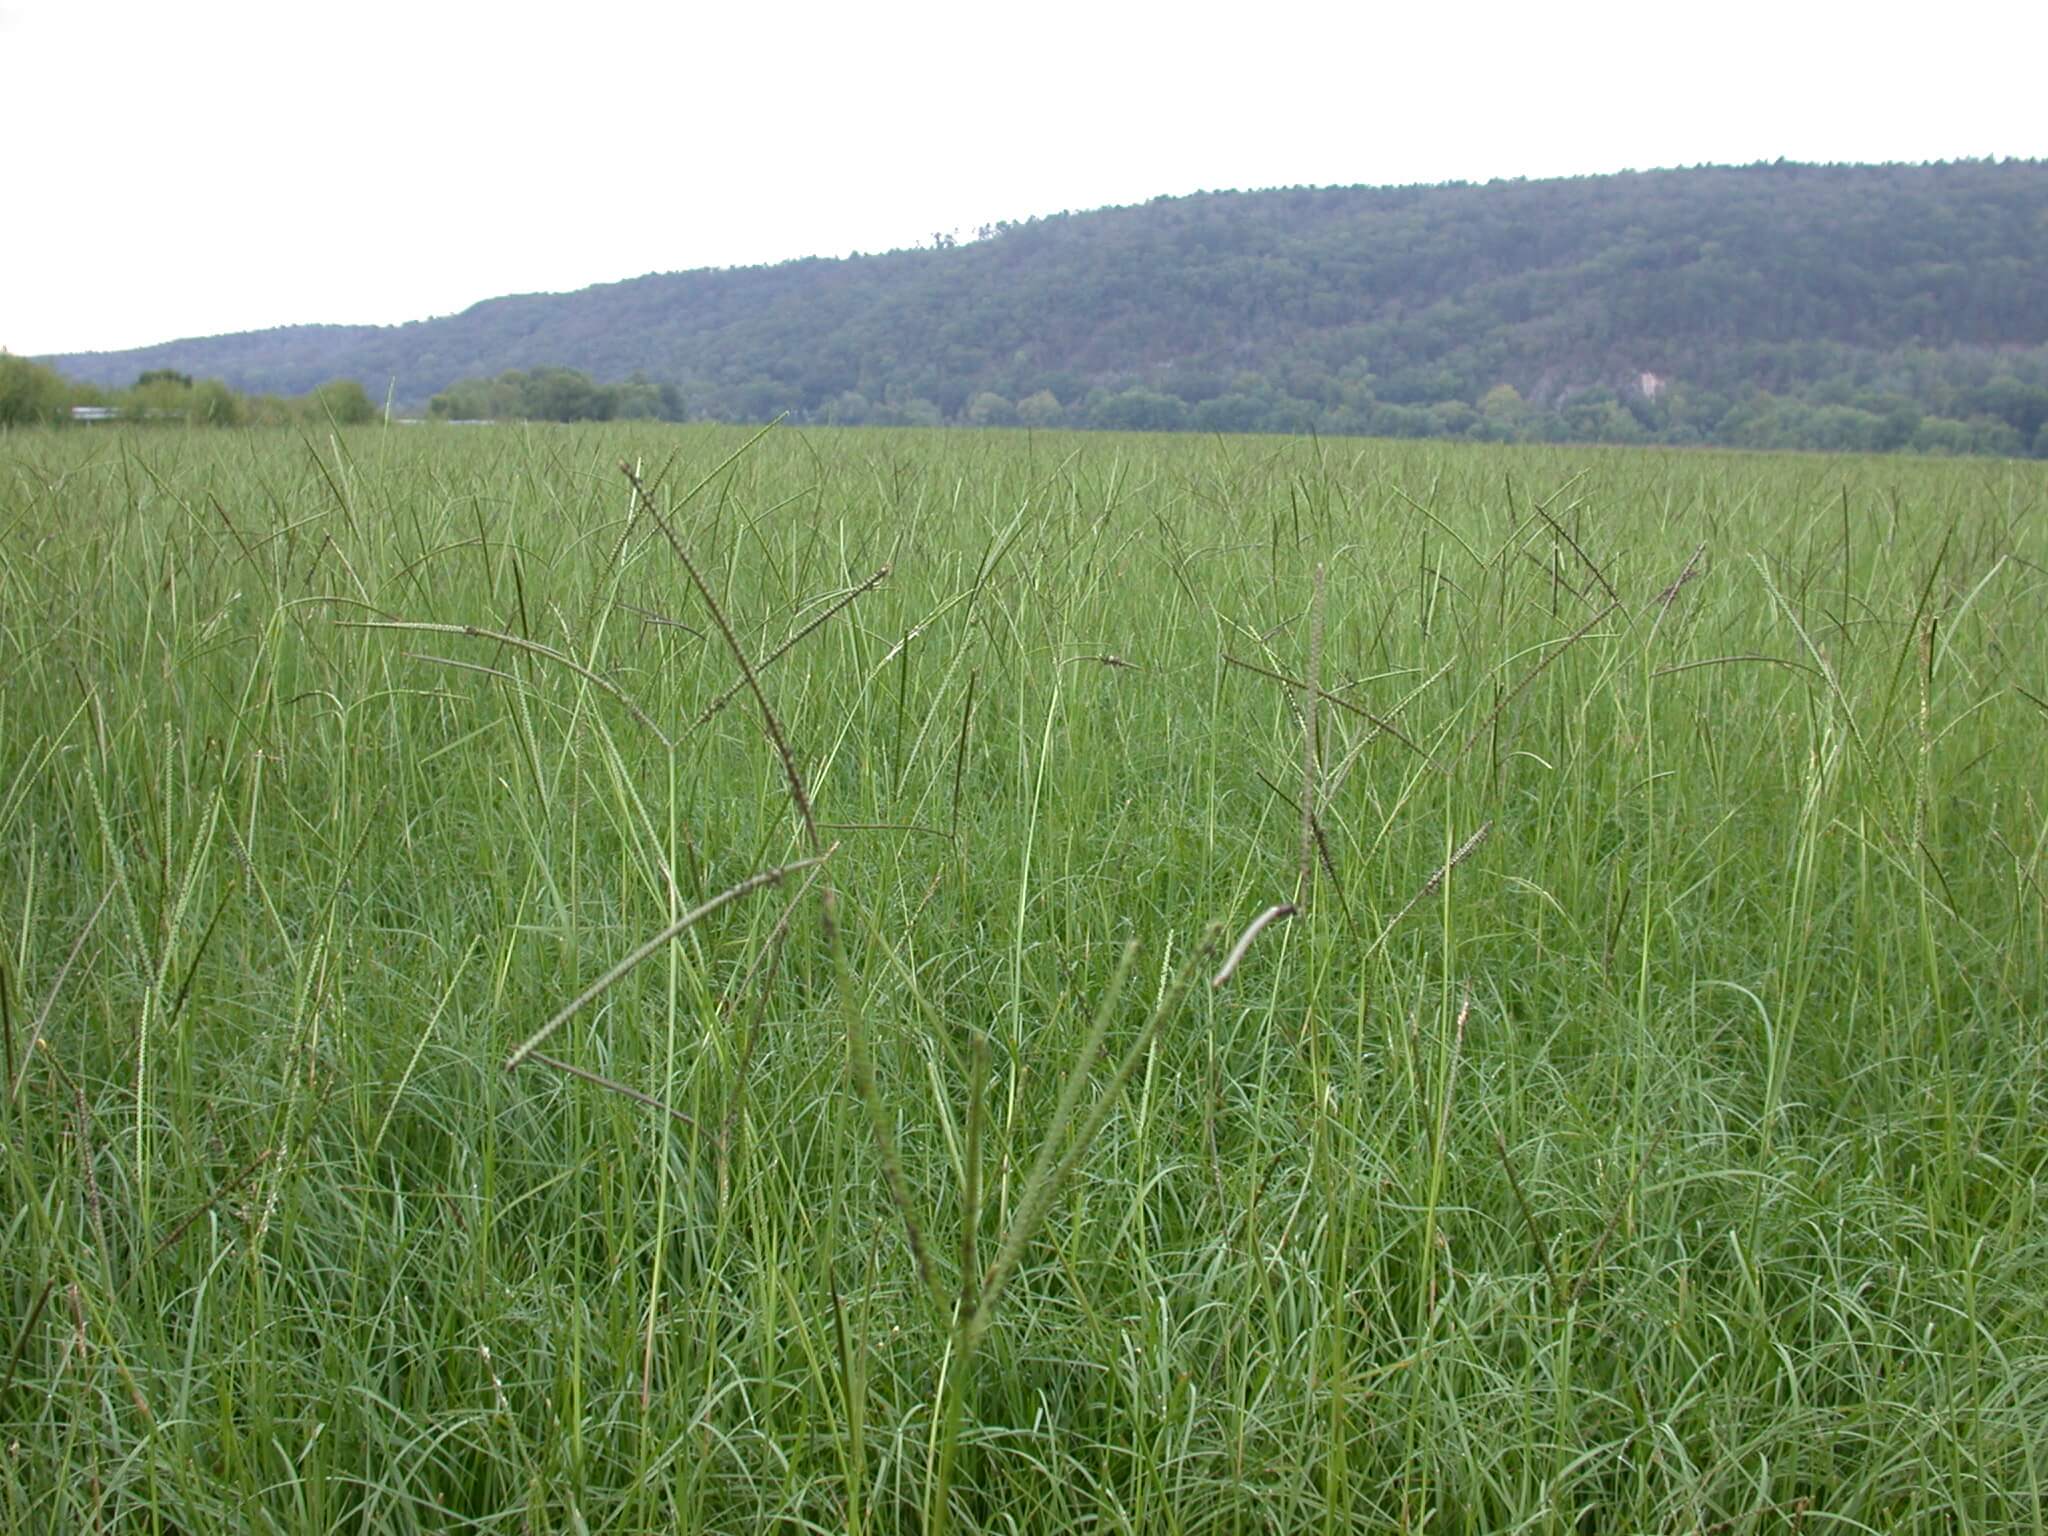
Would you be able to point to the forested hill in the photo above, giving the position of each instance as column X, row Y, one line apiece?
column 1828, row 306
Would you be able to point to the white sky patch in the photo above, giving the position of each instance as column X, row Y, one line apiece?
column 190, row 170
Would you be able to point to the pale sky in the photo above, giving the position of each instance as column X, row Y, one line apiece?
column 185, row 170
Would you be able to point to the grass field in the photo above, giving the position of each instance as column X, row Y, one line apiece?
column 1637, row 1124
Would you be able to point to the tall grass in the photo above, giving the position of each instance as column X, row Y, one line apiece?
column 1632, row 1124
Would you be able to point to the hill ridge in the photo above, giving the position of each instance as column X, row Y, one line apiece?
column 1653, row 303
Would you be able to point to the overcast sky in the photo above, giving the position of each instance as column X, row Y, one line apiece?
column 185, row 170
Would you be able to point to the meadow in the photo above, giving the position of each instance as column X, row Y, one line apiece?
column 1183, row 985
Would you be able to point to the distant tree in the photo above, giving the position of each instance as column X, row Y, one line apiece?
column 1230, row 413
column 761, row 399
column 1040, row 409
column 1287, row 414
column 1942, row 435
column 344, row 402
column 1979, row 434
column 1598, row 416
column 1844, row 429
column 849, row 409
column 269, row 411
column 468, row 400
column 989, row 409
column 563, row 394
column 1141, row 410
column 639, row 398
column 31, row 393
column 2021, row 406
column 1453, row 418
column 1392, row 419
column 161, row 393
column 1503, row 402
column 213, row 404
column 1195, row 385
column 1901, row 420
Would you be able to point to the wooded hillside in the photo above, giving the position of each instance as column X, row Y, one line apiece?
column 1846, row 307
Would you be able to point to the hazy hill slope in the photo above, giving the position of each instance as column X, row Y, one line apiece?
column 1919, row 281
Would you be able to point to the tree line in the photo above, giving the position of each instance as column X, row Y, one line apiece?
column 2005, row 414
column 556, row 394
column 32, row 393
